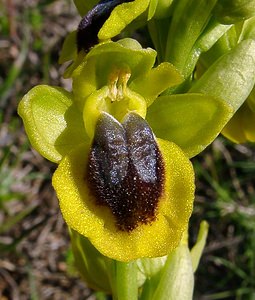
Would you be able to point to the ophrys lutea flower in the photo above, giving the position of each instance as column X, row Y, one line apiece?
column 130, row 193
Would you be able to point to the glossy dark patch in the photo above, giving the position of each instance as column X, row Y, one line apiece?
column 125, row 170
column 93, row 21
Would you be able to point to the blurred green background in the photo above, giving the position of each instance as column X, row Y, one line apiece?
column 35, row 259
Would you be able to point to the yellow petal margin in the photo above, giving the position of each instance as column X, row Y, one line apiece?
column 97, row 223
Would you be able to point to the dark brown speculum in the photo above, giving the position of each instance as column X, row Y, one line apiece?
column 126, row 170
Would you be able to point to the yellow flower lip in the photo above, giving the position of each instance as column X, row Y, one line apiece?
column 97, row 222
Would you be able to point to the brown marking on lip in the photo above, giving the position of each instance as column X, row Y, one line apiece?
column 126, row 170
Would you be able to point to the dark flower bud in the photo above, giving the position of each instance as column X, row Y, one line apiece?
column 93, row 21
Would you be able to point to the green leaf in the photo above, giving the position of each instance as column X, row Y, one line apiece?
column 91, row 264
column 192, row 121
column 121, row 16
column 231, row 78
column 159, row 8
column 177, row 279
column 197, row 250
column 229, row 11
column 223, row 45
column 158, row 29
column 53, row 124
column 156, row 81
column 211, row 34
column 188, row 23
column 69, row 48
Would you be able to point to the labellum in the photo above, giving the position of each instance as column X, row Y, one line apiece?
column 126, row 170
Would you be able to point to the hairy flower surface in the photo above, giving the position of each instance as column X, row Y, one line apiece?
column 116, row 237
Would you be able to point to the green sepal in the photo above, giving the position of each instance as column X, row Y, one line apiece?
column 229, row 11
column 192, row 121
column 53, row 123
column 91, row 264
column 231, row 78
column 69, row 48
column 158, row 79
column 158, row 29
column 94, row 72
column 83, row 6
column 125, row 52
column 121, row 16
column 188, row 22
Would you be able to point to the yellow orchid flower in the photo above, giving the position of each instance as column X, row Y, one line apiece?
column 130, row 193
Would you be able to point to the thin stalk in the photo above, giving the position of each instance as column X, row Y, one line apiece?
column 126, row 281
